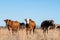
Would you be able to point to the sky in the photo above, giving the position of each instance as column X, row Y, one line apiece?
column 37, row 10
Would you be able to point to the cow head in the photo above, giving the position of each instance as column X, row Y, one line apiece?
column 51, row 22
column 52, row 25
column 27, row 20
column 7, row 21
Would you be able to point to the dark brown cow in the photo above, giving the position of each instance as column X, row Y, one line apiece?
column 58, row 27
column 22, row 25
column 46, row 24
column 14, row 25
column 30, row 25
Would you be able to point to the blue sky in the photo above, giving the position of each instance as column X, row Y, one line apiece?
column 37, row 10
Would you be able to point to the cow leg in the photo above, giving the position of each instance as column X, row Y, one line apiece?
column 47, row 29
column 13, row 31
column 30, row 31
column 34, row 29
column 44, row 30
column 8, row 28
column 27, row 31
column 18, row 27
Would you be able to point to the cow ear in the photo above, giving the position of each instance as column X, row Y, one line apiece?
column 4, row 20
column 30, row 19
column 25, row 19
column 52, row 21
column 9, row 20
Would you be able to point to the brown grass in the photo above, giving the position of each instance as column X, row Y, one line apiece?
column 38, row 35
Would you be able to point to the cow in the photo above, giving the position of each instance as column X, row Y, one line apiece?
column 12, row 25
column 58, row 27
column 22, row 25
column 46, row 24
column 30, row 25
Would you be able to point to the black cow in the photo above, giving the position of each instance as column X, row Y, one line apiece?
column 58, row 27
column 22, row 25
column 46, row 24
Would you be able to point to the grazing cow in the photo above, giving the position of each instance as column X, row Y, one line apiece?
column 30, row 25
column 22, row 25
column 14, row 25
column 58, row 26
column 46, row 24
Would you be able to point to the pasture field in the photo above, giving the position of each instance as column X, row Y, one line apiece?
column 53, row 34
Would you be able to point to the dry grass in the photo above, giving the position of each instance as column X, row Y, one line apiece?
column 38, row 35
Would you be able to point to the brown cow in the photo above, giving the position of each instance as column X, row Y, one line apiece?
column 14, row 25
column 30, row 25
